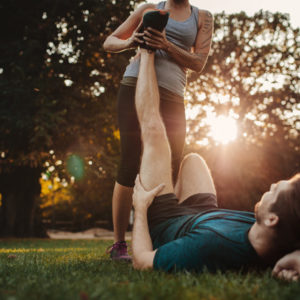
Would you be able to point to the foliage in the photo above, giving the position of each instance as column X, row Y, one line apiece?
column 251, row 76
column 80, row 270
column 82, row 202
column 53, row 194
column 57, row 90
column 57, row 87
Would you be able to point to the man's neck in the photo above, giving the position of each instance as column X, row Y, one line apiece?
column 261, row 241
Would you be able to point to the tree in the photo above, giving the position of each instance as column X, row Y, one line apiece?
column 58, row 89
column 57, row 92
column 253, row 77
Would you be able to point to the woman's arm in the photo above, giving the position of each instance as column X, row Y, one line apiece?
column 194, row 60
column 288, row 267
column 125, row 36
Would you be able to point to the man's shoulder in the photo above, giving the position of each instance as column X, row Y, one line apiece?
column 228, row 226
column 225, row 213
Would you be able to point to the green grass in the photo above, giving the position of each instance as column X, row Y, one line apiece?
column 64, row 269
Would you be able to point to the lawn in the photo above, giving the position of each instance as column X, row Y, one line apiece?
column 80, row 269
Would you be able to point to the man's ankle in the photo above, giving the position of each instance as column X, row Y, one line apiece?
column 146, row 52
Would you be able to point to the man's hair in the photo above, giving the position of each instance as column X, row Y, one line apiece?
column 287, row 208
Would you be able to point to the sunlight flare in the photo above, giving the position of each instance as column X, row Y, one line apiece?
column 223, row 129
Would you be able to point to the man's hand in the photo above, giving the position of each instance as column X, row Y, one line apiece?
column 288, row 267
column 142, row 199
column 143, row 254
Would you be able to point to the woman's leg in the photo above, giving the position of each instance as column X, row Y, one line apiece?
column 121, row 207
column 130, row 138
column 173, row 114
column 128, row 168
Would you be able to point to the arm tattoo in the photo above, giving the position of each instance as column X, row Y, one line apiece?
column 207, row 23
column 206, row 43
column 187, row 59
column 202, row 56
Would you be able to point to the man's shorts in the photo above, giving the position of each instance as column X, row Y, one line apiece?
column 166, row 206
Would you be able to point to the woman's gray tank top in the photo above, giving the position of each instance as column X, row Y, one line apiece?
column 170, row 75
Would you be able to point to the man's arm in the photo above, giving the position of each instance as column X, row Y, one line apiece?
column 195, row 60
column 288, row 267
column 143, row 254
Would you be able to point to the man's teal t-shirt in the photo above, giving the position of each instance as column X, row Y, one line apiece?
column 215, row 240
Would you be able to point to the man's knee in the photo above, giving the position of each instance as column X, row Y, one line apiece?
column 195, row 177
column 194, row 159
column 194, row 163
column 153, row 130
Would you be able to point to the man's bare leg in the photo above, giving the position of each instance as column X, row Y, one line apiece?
column 156, row 158
column 194, row 177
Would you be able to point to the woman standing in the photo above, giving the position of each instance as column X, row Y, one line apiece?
column 185, row 43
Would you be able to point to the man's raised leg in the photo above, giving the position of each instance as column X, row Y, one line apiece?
column 156, row 157
column 156, row 161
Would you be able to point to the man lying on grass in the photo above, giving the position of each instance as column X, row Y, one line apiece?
column 187, row 229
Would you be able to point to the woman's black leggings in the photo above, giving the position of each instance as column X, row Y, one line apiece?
column 173, row 115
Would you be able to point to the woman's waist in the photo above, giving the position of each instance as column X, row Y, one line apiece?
column 165, row 94
column 169, row 74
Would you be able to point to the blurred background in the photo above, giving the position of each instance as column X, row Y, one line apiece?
column 59, row 138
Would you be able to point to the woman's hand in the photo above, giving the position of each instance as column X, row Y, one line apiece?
column 288, row 267
column 135, row 39
column 126, row 36
column 142, row 199
column 156, row 39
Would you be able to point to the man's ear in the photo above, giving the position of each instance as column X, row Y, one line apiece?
column 271, row 220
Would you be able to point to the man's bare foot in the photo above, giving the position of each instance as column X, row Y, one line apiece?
column 156, row 19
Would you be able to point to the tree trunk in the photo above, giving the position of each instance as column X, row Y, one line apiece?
column 20, row 191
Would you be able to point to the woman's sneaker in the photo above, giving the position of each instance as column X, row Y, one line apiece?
column 118, row 251
column 156, row 19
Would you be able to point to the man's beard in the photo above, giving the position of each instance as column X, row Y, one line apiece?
column 257, row 213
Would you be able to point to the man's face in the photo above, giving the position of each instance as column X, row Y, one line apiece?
column 269, row 198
